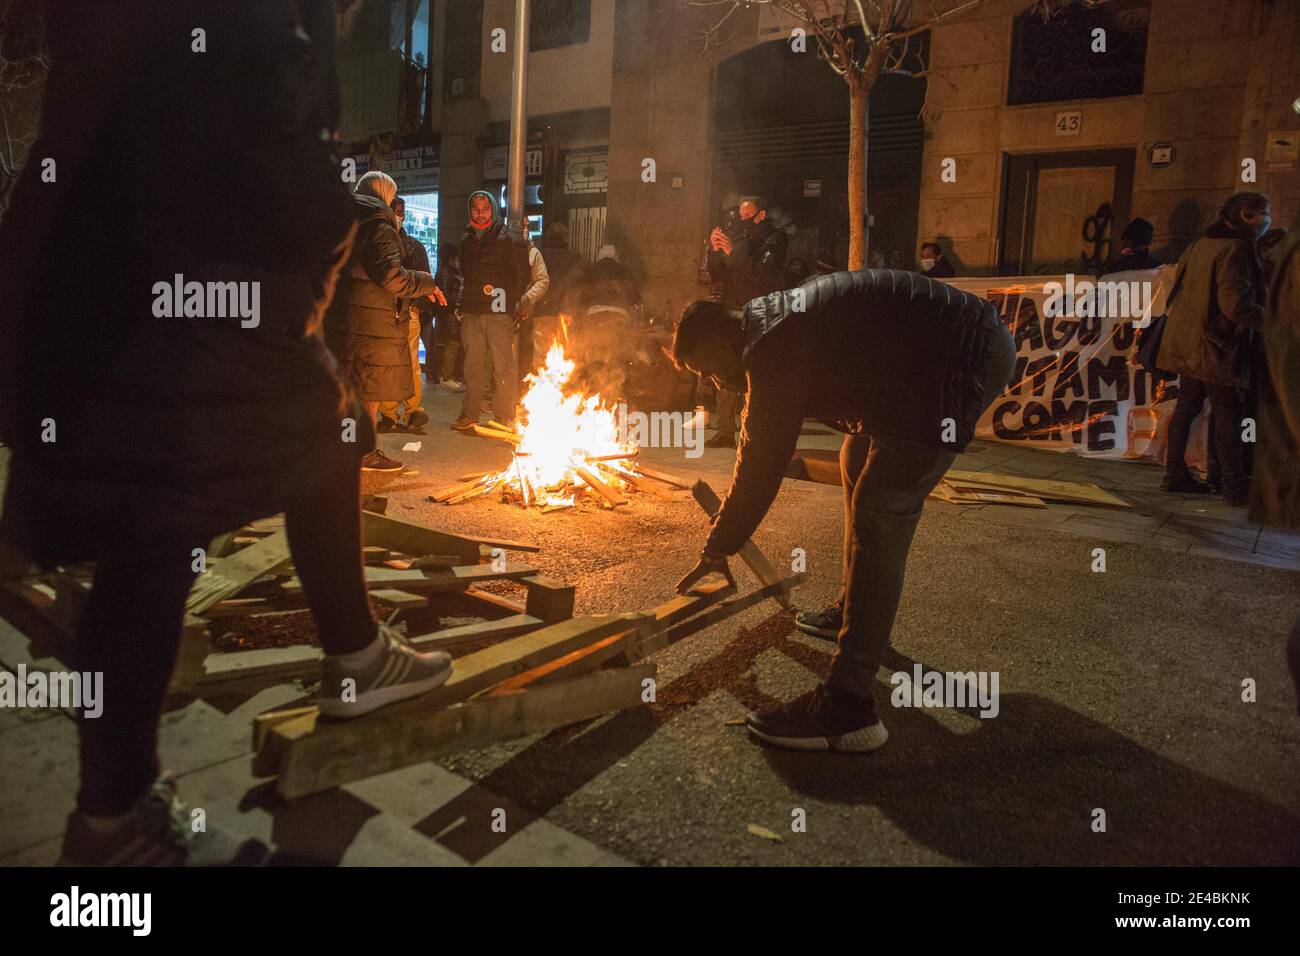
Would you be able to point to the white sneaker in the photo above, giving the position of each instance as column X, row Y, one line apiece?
column 379, row 676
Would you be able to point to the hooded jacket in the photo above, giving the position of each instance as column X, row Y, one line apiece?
column 1219, row 302
column 491, row 260
column 755, row 266
column 878, row 351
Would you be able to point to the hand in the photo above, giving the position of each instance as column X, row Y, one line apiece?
column 720, row 241
column 708, row 564
column 437, row 296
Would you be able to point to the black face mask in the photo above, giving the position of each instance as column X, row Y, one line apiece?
column 753, row 230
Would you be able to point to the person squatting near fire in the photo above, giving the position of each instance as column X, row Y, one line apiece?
column 367, row 326
column 419, row 312
column 253, row 419
column 904, row 365
column 1216, row 308
column 749, row 260
column 499, row 287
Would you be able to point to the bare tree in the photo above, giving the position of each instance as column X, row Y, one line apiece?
column 24, row 66
column 858, row 39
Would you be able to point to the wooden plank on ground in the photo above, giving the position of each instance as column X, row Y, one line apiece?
column 749, row 553
column 238, row 571
column 549, row 599
column 611, row 495
column 415, row 539
column 663, row 476
column 718, row 612
column 1074, row 491
column 652, row 488
column 334, row 754
column 399, row 599
column 499, row 629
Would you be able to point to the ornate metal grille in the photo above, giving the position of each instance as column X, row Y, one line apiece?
column 1053, row 61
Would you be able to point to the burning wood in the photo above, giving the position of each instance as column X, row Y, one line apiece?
column 565, row 445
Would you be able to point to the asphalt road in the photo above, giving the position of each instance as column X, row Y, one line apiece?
column 1120, row 691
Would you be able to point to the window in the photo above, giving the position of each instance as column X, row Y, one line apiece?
column 1054, row 60
column 557, row 23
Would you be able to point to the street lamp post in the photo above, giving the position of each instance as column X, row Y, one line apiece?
column 518, row 122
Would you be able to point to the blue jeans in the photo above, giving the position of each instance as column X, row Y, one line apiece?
column 886, row 481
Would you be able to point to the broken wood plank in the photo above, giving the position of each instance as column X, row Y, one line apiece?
column 403, row 600
column 501, row 628
column 489, row 605
column 719, row 612
column 612, row 497
column 238, row 571
column 508, row 437
column 416, row 539
column 1072, row 491
column 476, row 492
column 663, row 476
column 749, row 552
column 312, row 759
column 453, row 491
column 652, row 488
column 549, row 598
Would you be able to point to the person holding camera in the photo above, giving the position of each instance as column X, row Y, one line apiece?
column 747, row 255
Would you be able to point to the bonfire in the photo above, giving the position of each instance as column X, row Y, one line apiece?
column 566, row 444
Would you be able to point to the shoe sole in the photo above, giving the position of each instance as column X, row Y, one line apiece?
column 858, row 742
column 370, row 701
column 824, row 632
column 377, row 468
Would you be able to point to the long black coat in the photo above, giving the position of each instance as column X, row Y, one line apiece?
column 878, row 351
column 172, row 427
column 367, row 326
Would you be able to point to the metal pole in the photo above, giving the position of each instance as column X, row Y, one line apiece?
column 518, row 122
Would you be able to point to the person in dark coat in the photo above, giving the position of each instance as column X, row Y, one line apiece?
column 1275, row 491
column 419, row 312
column 1135, row 248
column 904, row 366
column 367, row 326
column 1215, row 308
column 565, row 269
column 447, row 319
column 751, row 265
column 933, row 263
column 139, row 432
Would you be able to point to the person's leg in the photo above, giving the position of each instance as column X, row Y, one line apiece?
column 324, row 530
column 1228, row 414
column 826, row 623
column 473, row 336
column 415, row 415
column 886, row 507
column 129, row 632
column 1191, row 396
column 501, row 346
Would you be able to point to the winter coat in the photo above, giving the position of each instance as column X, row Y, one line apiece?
column 878, row 351
column 942, row 269
column 416, row 258
column 367, row 325
column 565, row 268
column 172, row 428
column 1220, row 301
column 608, row 284
column 755, row 266
column 1276, row 484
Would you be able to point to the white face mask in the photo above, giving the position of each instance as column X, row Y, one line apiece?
column 927, row 264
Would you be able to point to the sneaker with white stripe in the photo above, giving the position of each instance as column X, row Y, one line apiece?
column 356, row 684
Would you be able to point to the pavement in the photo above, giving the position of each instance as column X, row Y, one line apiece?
column 1123, row 735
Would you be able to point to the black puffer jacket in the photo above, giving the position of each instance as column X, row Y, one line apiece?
column 755, row 266
column 367, row 325
column 172, row 427
column 878, row 351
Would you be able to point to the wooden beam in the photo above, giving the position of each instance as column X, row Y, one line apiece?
column 508, row 437
column 749, row 552
column 549, row 599
column 652, row 488
column 499, row 629
column 394, row 598
column 416, row 539
column 663, row 476
column 612, row 497
column 238, row 571
column 331, row 755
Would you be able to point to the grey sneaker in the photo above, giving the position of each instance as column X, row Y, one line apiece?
column 157, row 832
column 821, row 623
column 397, row 672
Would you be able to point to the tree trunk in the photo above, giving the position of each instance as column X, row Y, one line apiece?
column 859, row 95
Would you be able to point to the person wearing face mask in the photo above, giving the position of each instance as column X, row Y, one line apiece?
column 1215, row 308
column 932, row 262
column 748, row 266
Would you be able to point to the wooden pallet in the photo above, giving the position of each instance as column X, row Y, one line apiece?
column 46, row 607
